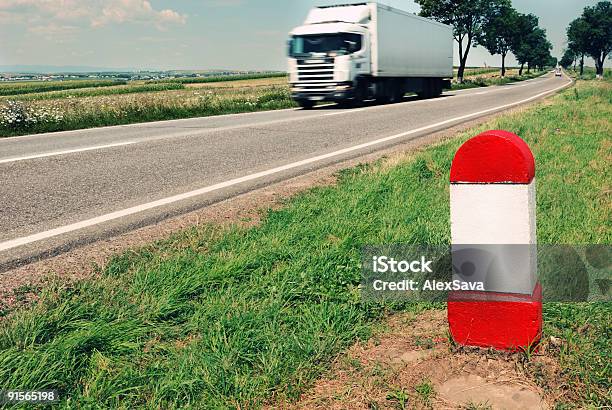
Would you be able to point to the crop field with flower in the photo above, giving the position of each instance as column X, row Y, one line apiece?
column 93, row 107
column 132, row 87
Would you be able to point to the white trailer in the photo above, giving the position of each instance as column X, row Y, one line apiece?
column 349, row 53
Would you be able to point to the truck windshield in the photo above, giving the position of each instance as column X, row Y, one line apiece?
column 340, row 44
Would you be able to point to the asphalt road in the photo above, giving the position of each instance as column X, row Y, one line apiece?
column 68, row 188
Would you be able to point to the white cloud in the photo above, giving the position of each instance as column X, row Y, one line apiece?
column 95, row 13
column 121, row 11
column 172, row 16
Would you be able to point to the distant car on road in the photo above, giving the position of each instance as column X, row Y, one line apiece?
column 558, row 72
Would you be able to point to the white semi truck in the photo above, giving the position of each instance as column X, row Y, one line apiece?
column 355, row 52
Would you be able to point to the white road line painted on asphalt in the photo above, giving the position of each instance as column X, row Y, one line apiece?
column 518, row 86
column 14, row 243
column 69, row 151
column 345, row 111
column 233, row 127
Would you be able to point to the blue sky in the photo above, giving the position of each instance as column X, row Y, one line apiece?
column 191, row 34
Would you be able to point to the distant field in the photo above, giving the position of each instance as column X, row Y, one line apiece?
column 214, row 79
column 130, row 88
column 35, row 107
column 27, row 87
column 477, row 70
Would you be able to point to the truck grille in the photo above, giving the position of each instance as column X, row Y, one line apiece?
column 315, row 71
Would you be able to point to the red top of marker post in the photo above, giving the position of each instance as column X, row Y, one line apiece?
column 493, row 157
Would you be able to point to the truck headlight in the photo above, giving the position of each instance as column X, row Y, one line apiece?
column 343, row 87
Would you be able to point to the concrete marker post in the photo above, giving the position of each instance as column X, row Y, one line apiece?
column 492, row 209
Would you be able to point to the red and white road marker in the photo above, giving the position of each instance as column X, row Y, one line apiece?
column 492, row 208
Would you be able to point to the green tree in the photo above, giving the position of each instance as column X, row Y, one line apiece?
column 499, row 33
column 538, row 49
column 467, row 18
column 568, row 58
column 541, row 52
column 578, row 38
column 526, row 25
column 598, row 45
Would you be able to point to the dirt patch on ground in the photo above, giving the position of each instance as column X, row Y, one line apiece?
column 413, row 364
column 19, row 286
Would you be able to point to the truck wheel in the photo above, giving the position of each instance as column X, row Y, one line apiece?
column 429, row 89
column 437, row 88
column 385, row 93
column 305, row 104
column 360, row 93
column 424, row 94
column 425, row 91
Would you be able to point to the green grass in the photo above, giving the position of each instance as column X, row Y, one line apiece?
column 400, row 398
column 27, row 87
column 425, row 390
column 216, row 318
column 589, row 73
column 586, row 350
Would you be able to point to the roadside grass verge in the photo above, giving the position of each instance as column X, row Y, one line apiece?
column 27, row 87
column 589, row 73
column 215, row 318
column 484, row 81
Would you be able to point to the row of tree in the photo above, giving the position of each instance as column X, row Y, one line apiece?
column 590, row 35
column 495, row 25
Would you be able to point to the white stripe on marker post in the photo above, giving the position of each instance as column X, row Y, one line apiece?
column 493, row 231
